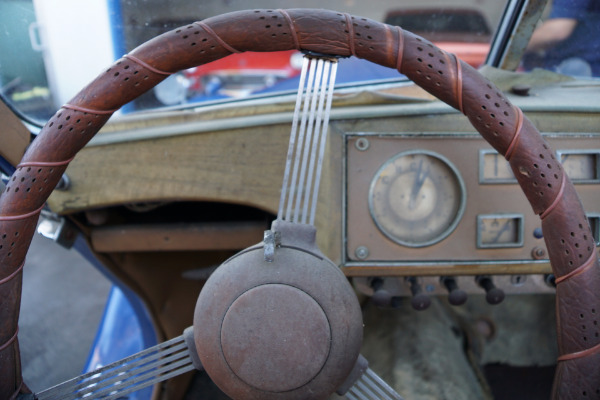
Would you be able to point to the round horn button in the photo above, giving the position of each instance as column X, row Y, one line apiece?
column 275, row 337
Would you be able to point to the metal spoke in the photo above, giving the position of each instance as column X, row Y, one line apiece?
column 324, row 128
column 307, row 141
column 371, row 387
column 302, row 184
column 293, row 138
column 133, row 373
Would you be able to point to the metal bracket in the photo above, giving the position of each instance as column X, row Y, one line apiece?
column 272, row 239
column 57, row 228
column 188, row 337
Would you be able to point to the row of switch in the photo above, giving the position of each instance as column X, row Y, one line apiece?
column 421, row 301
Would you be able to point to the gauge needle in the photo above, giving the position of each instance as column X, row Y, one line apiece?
column 504, row 228
column 417, row 185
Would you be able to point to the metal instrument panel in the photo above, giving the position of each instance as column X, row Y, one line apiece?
column 395, row 183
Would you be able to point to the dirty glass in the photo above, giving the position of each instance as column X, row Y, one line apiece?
column 49, row 50
column 567, row 39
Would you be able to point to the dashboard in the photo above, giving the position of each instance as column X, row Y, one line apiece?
column 412, row 198
column 430, row 212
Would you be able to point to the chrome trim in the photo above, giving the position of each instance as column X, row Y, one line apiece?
column 502, row 35
column 595, row 226
column 518, row 23
column 520, row 231
column 440, row 263
column 482, row 179
column 596, row 152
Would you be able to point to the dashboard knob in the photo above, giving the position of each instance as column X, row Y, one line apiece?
column 456, row 296
column 493, row 294
column 420, row 301
column 381, row 297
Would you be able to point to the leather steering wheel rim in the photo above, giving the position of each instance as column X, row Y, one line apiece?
column 552, row 196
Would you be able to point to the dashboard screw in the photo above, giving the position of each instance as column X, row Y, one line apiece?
column 361, row 252
column 538, row 253
column 362, row 144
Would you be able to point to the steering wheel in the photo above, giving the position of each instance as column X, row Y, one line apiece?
column 552, row 196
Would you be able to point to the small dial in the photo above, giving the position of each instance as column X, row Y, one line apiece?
column 502, row 230
column 493, row 168
column 417, row 198
column 581, row 166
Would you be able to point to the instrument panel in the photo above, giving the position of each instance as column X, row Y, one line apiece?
column 448, row 204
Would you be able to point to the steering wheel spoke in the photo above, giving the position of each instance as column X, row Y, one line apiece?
column 308, row 138
column 364, row 384
column 148, row 367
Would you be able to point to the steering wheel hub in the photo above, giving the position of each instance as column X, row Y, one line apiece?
column 290, row 328
column 275, row 337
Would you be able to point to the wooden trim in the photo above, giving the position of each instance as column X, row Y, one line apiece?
column 177, row 237
column 438, row 269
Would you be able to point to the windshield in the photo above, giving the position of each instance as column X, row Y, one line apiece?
column 49, row 50
column 567, row 39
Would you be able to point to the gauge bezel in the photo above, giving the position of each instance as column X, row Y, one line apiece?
column 595, row 226
column 520, row 231
column 492, row 181
column 591, row 152
column 457, row 217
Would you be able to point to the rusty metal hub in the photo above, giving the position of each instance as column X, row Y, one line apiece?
column 277, row 354
column 286, row 329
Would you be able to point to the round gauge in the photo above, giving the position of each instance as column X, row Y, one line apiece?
column 417, row 198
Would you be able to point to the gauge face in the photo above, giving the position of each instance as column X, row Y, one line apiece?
column 493, row 168
column 417, row 198
column 503, row 230
column 581, row 166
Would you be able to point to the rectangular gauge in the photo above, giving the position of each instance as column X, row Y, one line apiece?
column 494, row 169
column 499, row 231
column 594, row 220
column 582, row 166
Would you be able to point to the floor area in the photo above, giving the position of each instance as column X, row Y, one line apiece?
column 62, row 304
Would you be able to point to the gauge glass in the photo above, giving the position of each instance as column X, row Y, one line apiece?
column 495, row 231
column 493, row 168
column 581, row 166
column 417, row 198
column 594, row 220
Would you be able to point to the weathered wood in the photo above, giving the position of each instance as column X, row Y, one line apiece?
column 177, row 237
column 242, row 167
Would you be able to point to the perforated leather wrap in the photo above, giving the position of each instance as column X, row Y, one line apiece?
column 551, row 194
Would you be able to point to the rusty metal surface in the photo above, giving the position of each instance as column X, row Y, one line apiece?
column 518, row 35
column 286, row 329
column 275, row 337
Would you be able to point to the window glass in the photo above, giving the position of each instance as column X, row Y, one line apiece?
column 567, row 40
column 49, row 50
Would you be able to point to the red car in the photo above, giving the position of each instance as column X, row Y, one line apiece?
column 244, row 73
